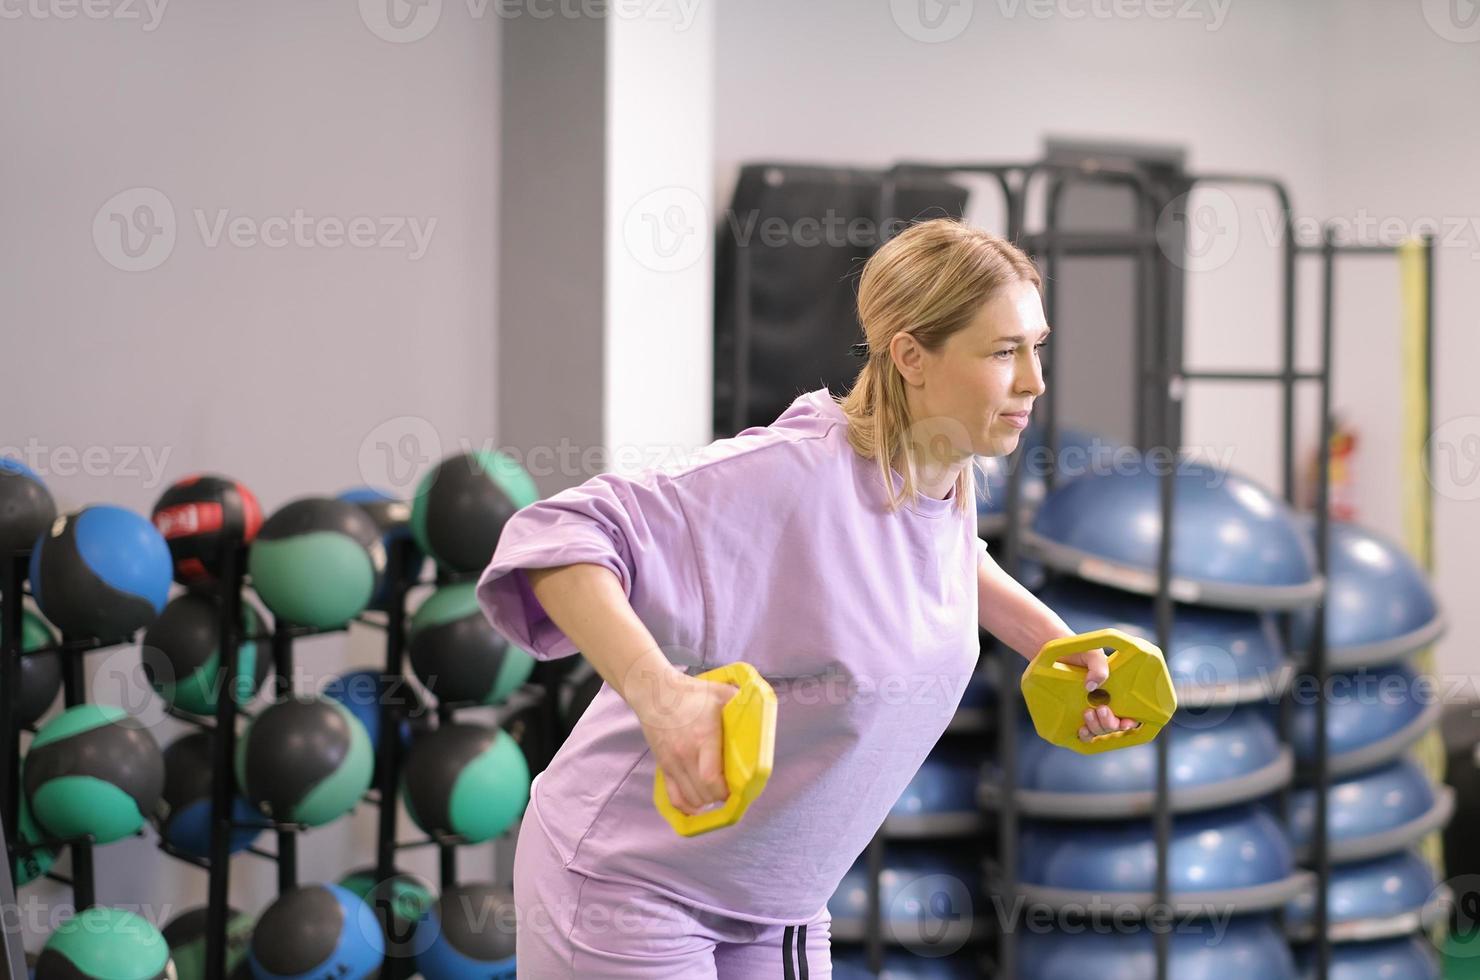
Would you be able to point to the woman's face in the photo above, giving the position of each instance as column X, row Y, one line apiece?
column 974, row 396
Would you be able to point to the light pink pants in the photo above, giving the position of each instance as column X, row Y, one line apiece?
column 574, row 926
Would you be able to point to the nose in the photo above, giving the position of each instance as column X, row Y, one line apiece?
column 1030, row 376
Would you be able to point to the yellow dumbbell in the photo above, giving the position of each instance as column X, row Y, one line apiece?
column 1139, row 687
column 749, row 720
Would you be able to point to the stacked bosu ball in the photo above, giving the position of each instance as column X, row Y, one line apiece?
column 929, row 900
column 1380, row 612
column 1238, row 556
column 1087, row 840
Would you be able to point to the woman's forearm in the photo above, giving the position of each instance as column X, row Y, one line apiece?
column 1012, row 614
column 588, row 605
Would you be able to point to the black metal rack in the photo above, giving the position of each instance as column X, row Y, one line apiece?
column 528, row 712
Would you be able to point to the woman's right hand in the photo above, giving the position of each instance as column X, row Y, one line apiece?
column 682, row 720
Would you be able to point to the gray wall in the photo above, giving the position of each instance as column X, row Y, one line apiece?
column 290, row 368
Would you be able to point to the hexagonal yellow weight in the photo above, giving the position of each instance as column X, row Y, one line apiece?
column 749, row 720
column 1139, row 688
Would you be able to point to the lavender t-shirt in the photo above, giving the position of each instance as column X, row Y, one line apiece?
column 773, row 547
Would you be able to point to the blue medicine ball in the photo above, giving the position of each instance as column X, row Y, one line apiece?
column 102, row 572
column 317, row 931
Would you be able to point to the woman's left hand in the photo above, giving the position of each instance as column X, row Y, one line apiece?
column 1101, row 720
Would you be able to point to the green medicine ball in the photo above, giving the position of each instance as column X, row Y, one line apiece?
column 186, row 936
column 317, row 562
column 470, row 781
column 403, row 897
column 182, row 654
column 105, row 944
column 93, row 769
column 33, row 864
column 462, row 505
column 458, row 654
column 304, row 760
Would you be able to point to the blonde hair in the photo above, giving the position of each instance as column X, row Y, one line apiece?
column 931, row 280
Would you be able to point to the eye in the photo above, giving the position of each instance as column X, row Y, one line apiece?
column 1038, row 348
column 1005, row 353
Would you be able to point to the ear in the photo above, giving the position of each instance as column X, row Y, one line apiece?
column 908, row 357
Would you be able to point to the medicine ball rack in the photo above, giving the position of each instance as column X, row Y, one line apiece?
column 74, row 692
column 528, row 713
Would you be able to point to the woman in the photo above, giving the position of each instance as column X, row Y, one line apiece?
column 836, row 551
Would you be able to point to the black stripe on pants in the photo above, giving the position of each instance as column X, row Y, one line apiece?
column 787, row 970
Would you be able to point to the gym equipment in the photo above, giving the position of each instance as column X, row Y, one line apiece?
column 929, row 899
column 1234, row 544
column 1238, row 857
column 577, row 689
column 186, row 936
column 1380, row 898
column 940, row 800
column 33, row 864
column 468, row 781
column 1380, row 607
column 182, row 653
column 461, row 507
column 1244, row 946
column 93, row 769
column 26, row 506
column 317, row 562
column 1410, row 958
column 101, row 572
column 201, row 517
column 304, row 760
column 1372, row 716
column 469, row 934
column 1218, row 757
column 749, row 721
column 1139, row 687
column 851, row 963
column 1375, row 812
column 458, row 654
column 105, row 944
column 1216, row 656
column 41, row 673
column 184, row 814
column 785, row 313
column 393, row 517
column 1078, row 452
column 399, row 902
column 317, row 931
column 362, row 691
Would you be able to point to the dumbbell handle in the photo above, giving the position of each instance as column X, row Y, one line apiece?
column 749, row 725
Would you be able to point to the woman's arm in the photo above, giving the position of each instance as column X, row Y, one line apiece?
column 1012, row 614
column 681, row 716
column 1019, row 619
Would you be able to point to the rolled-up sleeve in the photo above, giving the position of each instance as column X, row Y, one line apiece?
column 636, row 526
